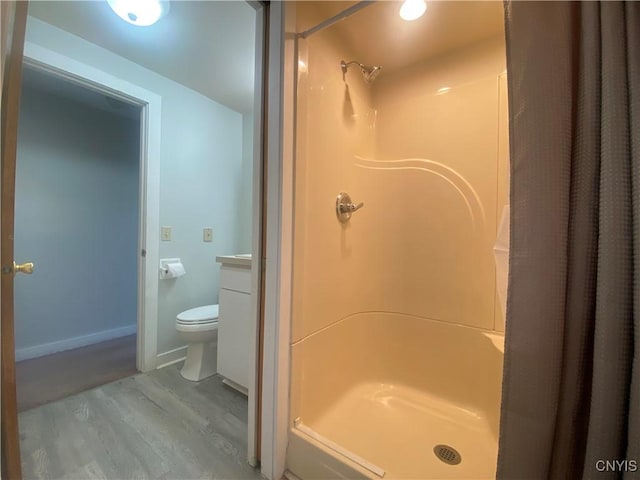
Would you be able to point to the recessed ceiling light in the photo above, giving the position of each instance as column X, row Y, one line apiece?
column 140, row 12
column 412, row 9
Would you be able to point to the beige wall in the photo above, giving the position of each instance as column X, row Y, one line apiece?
column 334, row 124
column 503, row 192
column 431, row 167
column 437, row 161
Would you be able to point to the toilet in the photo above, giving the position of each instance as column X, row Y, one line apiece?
column 198, row 328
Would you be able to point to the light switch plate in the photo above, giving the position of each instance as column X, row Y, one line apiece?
column 165, row 234
column 207, row 235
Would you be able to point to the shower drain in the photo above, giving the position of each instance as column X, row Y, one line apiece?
column 447, row 454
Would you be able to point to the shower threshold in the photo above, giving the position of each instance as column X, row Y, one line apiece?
column 339, row 450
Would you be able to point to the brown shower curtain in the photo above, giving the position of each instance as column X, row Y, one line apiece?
column 571, row 388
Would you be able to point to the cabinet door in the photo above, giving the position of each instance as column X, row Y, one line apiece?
column 235, row 278
column 233, row 336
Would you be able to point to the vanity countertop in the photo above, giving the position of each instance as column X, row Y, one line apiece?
column 243, row 260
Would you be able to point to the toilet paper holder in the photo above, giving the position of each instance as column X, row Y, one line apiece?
column 164, row 263
column 165, row 270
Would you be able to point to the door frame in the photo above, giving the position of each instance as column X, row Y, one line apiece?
column 254, row 397
column 279, row 198
column 53, row 63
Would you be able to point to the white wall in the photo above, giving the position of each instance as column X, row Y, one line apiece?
column 201, row 173
column 77, row 220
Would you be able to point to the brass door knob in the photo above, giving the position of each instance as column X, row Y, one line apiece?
column 23, row 268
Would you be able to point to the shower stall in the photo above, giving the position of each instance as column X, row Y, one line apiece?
column 401, row 180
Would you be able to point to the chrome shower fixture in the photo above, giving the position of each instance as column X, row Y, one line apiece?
column 369, row 72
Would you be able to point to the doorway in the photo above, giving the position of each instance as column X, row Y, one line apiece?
column 77, row 218
column 143, row 108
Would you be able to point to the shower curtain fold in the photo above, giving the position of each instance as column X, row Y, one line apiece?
column 571, row 387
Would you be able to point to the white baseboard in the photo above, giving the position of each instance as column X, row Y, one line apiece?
column 239, row 388
column 172, row 356
column 71, row 343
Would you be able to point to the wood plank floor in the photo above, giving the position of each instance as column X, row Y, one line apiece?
column 45, row 379
column 155, row 425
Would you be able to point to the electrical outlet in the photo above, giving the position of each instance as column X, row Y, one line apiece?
column 165, row 234
column 207, row 235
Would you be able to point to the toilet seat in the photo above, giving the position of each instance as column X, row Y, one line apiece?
column 199, row 316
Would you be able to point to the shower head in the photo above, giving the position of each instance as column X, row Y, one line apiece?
column 369, row 72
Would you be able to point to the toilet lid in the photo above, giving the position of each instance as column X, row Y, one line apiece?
column 208, row 313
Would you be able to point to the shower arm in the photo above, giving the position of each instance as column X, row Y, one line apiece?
column 345, row 65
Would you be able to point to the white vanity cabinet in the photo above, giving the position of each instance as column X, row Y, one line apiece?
column 234, row 320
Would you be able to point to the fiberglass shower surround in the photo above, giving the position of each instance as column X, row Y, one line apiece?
column 403, row 293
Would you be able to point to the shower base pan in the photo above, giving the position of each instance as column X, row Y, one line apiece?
column 389, row 431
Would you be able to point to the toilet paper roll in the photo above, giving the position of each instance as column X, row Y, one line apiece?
column 172, row 270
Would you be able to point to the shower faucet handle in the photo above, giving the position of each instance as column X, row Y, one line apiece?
column 353, row 207
column 345, row 207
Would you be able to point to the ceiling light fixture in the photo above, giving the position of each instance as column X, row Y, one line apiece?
column 141, row 13
column 412, row 9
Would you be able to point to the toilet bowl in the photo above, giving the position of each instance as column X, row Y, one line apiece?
column 198, row 328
